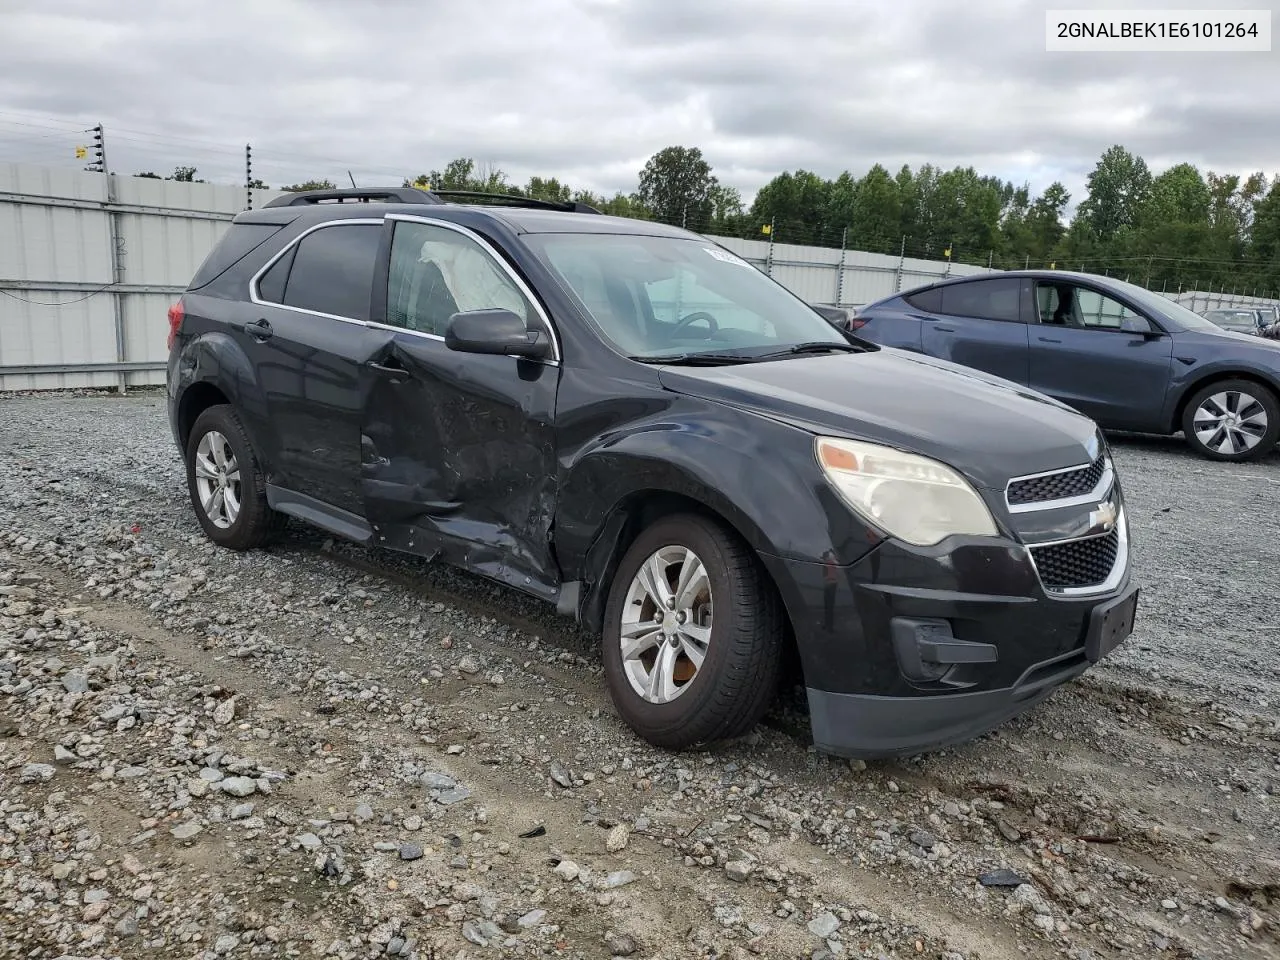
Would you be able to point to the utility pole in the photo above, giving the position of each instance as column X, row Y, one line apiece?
column 248, row 177
column 115, row 248
column 844, row 242
column 768, row 261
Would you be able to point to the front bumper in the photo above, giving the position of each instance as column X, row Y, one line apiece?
column 910, row 650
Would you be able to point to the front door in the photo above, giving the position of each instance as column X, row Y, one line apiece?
column 458, row 449
column 1100, row 356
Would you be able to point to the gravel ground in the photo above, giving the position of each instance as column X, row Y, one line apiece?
column 322, row 751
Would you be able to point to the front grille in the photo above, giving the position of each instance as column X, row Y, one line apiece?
column 1057, row 486
column 1077, row 563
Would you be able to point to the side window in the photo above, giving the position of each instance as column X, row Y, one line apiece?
column 332, row 270
column 1072, row 306
column 930, row 301
column 436, row 272
column 271, row 286
column 987, row 299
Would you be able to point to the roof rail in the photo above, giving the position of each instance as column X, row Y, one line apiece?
column 515, row 200
column 386, row 194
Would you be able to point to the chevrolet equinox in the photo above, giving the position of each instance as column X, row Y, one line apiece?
column 632, row 423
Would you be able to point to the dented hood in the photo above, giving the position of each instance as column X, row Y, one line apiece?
column 989, row 429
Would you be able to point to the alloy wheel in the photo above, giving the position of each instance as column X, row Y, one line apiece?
column 218, row 479
column 666, row 624
column 1230, row 422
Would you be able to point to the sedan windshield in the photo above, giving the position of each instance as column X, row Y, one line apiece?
column 676, row 298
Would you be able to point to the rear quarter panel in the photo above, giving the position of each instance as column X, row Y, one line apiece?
column 890, row 323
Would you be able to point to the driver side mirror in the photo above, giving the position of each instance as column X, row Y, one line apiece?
column 495, row 332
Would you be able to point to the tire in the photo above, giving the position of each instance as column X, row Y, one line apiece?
column 253, row 523
column 1240, row 397
column 739, row 674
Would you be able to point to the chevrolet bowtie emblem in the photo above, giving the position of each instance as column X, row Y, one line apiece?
column 1104, row 517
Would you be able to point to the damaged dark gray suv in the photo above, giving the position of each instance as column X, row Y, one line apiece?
column 630, row 422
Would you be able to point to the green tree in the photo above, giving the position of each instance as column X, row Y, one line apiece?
column 1264, row 239
column 549, row 189
column 1117, row 189
column 676, row 184
column 1044, row 223
column 149, row 175
column 310, row 185
column 875, row 220
column 798, row 205
column 185, row 175
column 462, row 174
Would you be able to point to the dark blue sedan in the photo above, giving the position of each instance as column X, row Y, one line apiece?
column 1131, row 359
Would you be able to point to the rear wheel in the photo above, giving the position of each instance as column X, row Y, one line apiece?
column 693, row 635
column 1234, row 420
column 225, row 480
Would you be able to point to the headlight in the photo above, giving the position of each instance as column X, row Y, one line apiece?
column 910, row 497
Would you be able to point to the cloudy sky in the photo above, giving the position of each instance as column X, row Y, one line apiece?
column 587, row 90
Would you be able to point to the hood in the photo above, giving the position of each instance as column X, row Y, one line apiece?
column 989, row 429
column 1231, row 339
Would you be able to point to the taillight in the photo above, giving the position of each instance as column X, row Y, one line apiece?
column 857, row 323
column 176, row 314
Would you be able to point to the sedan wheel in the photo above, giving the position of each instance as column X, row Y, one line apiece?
column 693, row 634
column 1232, row 420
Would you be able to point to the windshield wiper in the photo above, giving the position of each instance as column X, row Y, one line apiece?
column 817, row 346
column 697, row 359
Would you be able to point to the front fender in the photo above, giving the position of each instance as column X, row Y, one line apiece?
column 758, row 475
column 1194, row 377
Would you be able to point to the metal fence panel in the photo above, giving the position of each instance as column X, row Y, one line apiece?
column 91, row 311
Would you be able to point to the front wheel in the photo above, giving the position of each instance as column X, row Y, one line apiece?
column 1233, row 420
column 693, row 635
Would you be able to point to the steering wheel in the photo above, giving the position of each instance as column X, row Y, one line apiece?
column 692, row 318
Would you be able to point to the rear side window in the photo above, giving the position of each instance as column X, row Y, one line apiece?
column 930, row 301
column 239, row 241
column 332, row 270
column 987, row 299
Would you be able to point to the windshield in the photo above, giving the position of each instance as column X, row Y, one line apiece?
column 655, row 297
column 1166, row 308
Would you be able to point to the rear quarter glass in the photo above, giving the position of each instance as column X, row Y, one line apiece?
column 240, row 240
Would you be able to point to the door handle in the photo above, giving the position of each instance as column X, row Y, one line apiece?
column 259, row 329
column 393, row 367
column 946, row 329
column 1048, row 340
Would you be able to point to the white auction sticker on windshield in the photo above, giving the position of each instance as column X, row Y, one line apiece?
column 726, row 256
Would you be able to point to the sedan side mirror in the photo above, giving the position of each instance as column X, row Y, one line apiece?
column 496, row 332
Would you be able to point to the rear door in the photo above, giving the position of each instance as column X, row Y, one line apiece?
column 307, row 336
column 979, row 324
column 1101, row 356
column 459, row 452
